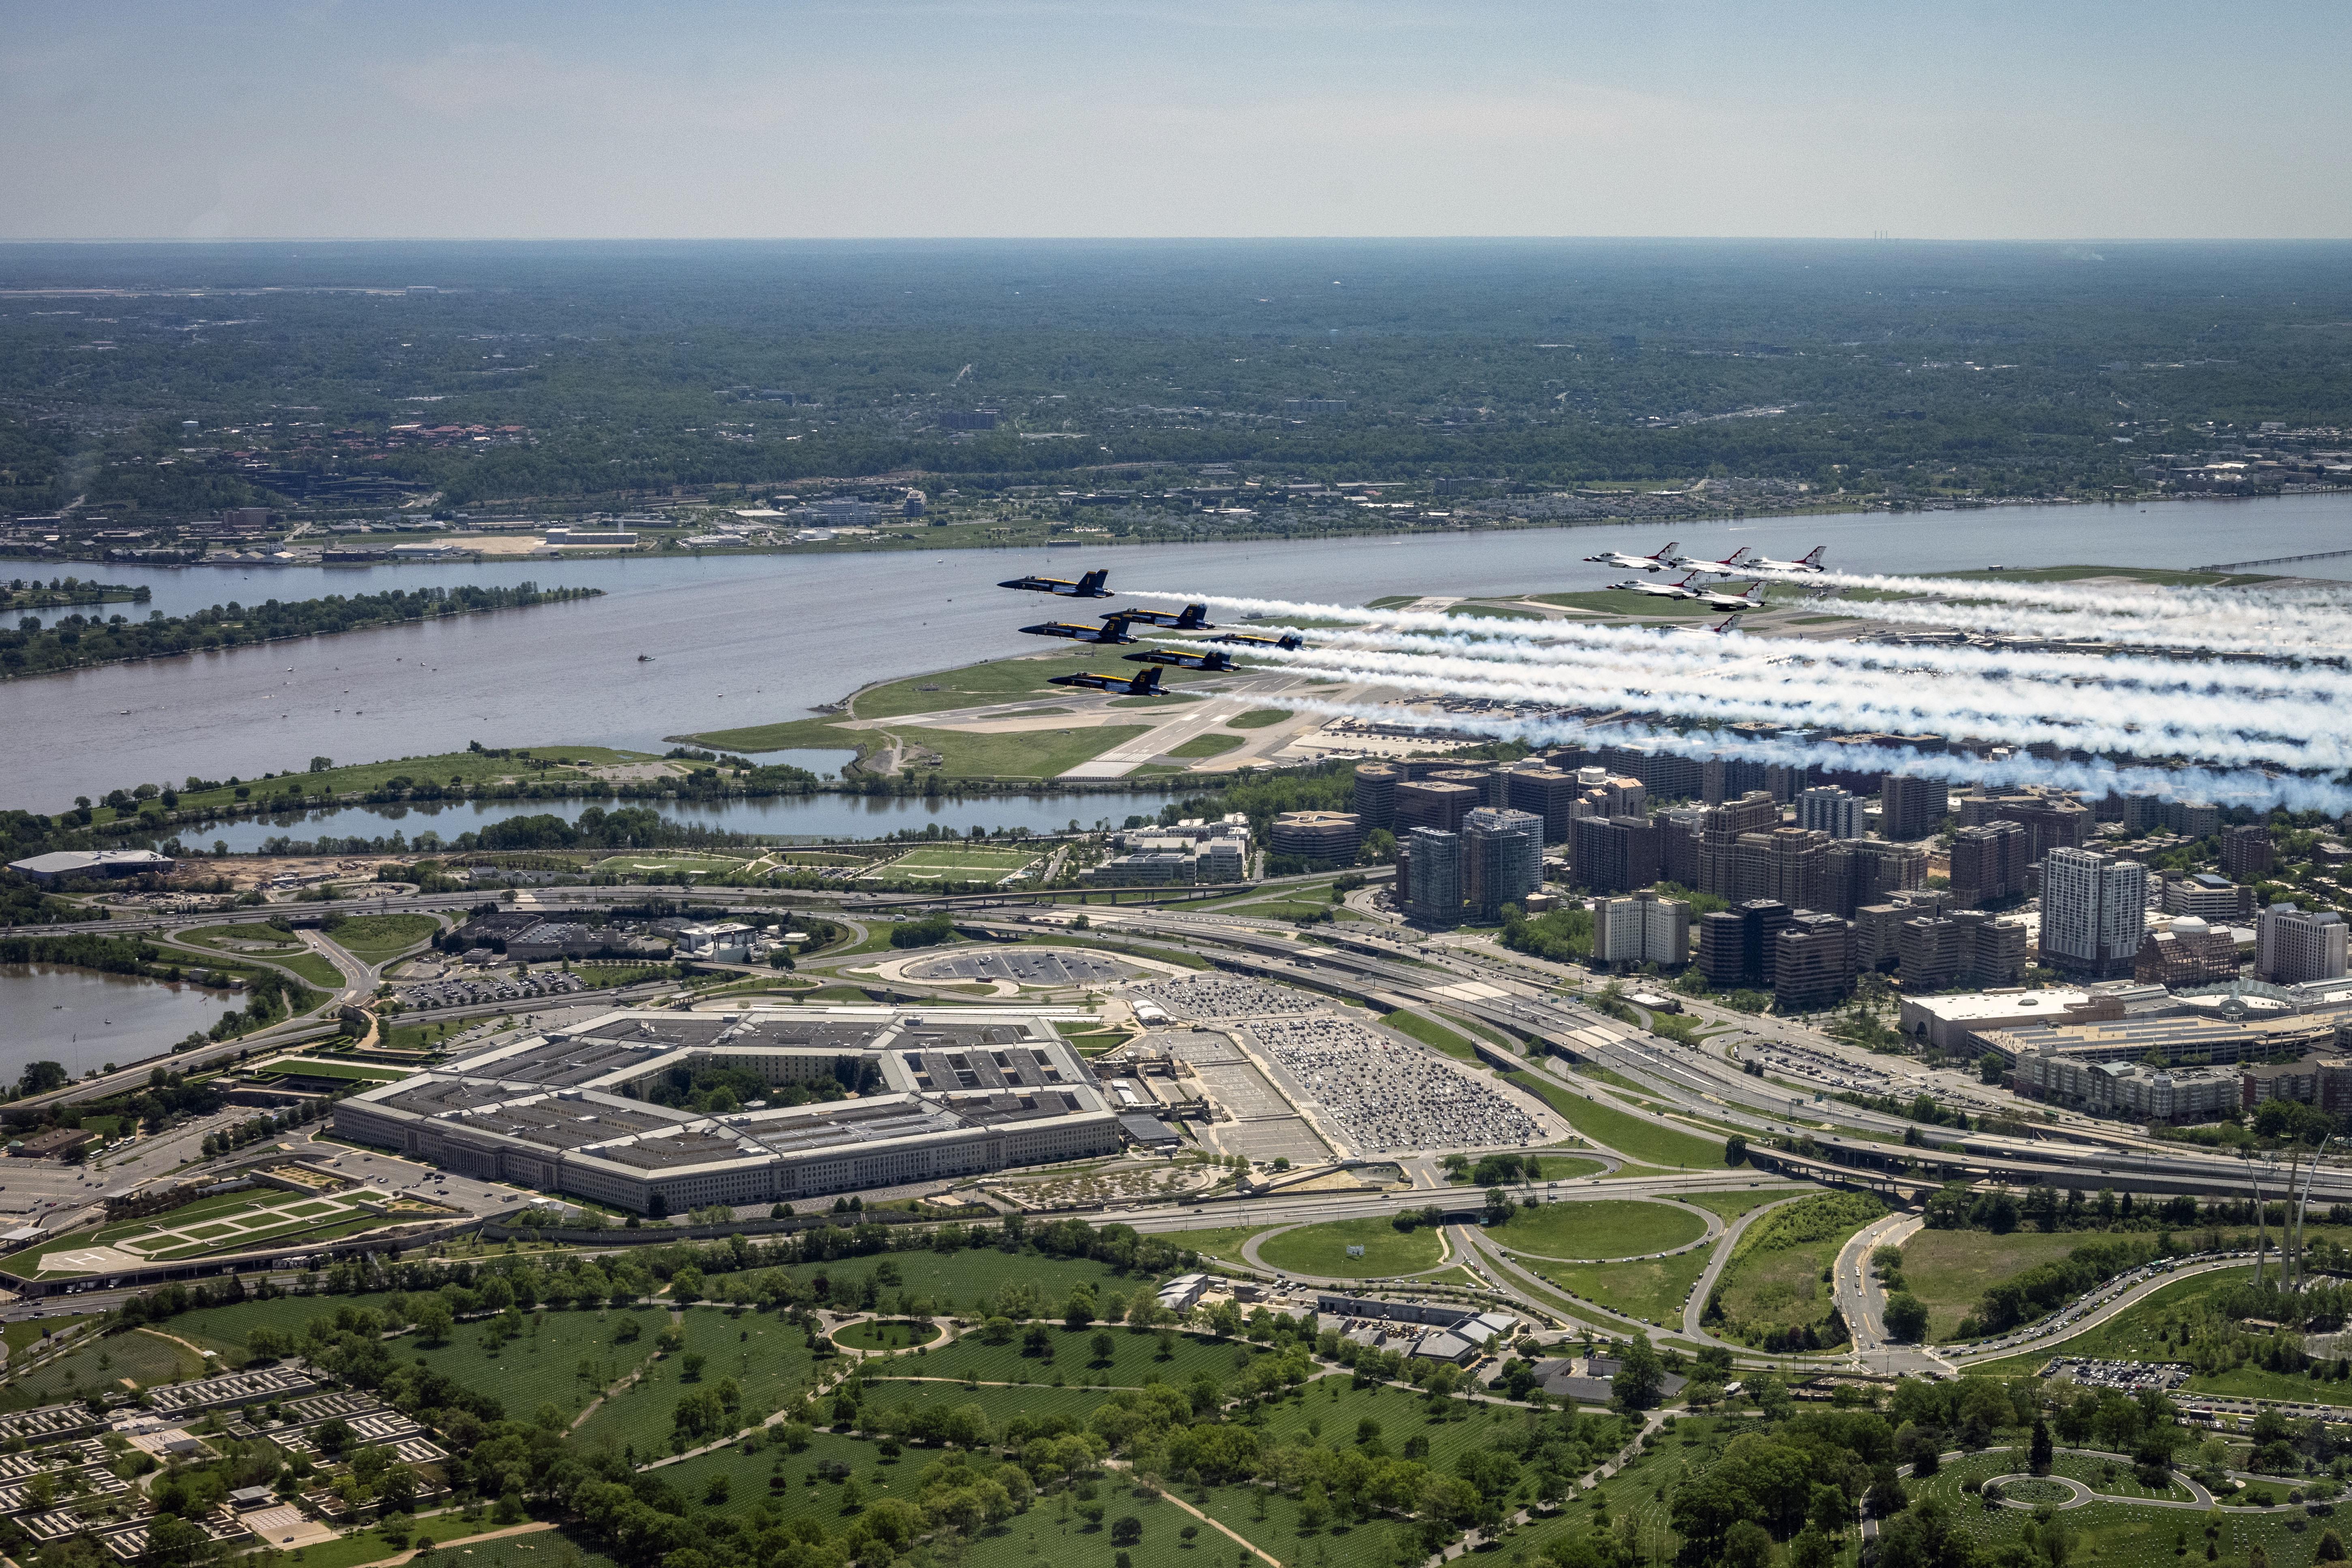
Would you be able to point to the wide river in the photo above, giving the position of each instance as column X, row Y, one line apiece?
column 749, row 639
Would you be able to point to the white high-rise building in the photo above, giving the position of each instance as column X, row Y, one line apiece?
column 1831, row 810
column 2294, row 948
column 1642, row 929
column 2093, row 913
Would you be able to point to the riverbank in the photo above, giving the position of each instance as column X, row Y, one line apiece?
column 752, row 640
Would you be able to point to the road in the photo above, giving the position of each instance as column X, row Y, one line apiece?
column 1860, row 1299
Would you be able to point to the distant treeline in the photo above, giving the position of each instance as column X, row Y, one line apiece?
column 32, row 648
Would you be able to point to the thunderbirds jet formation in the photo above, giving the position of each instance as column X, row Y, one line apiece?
column 1658, row 563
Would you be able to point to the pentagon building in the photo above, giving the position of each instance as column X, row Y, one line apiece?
column 971, row 1090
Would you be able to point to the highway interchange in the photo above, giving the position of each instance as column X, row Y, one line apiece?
column 1702, row 1091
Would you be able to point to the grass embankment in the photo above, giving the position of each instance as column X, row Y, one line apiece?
column 536, row 765
column 1322, row 1249
column 1599, row 1228
column 1652, row 1290
column 1731, row 1205
column 259, row 944
column 1431, row 1033
column 1257, row 719
column 1951, row 1269
column 1777, row 1281
column 374, row 938
column 1626, row 1133
column 1203, row 746
column 1035, row 754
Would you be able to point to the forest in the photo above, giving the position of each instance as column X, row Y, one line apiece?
column 261, row 375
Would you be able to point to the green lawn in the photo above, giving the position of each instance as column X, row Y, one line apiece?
column 1225, row 1244
column 29, row 1331
column 1137, row 1356
column 768, row 1358
column 372, row 938
column 1431, row 1033
column 979, row 685
column 1257, row 719
column 1323, row 1249
column 1602, row 1228
column 1762, row 1287
column 1651, row 1289
column 284, row 951
column 446, row 767
column 1731, row 1205
column 1626, row 1133
column 885, row 1334
column 2120, row 1533
column 1951, row 1269
column 1208, row 745
column 966, row 1279
column 2132, row 1335
column 1612, row 602
column 144, row 1360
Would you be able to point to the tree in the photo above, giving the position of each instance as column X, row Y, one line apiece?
column 1105, row 1347
column 1735, row 1150
column 1811, row 1549
column 1989, row 1067
column 1640, row 1377
column 1499, row 1206
column 40, row 1078
column 2038, row 1453
column 1747, row 1545
column 1126, row 1531
column 1907, row 1317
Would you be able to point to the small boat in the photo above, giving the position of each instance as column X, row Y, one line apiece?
column 644, row 658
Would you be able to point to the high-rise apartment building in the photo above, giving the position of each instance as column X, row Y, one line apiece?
column 2293, row 948
column 1869, row 871
column 1542, row 791
column 1911, row 807
column 1788, row 864
column 1613, row 854
column 2247, row 853
column 1376, row 788
column 1440, row 803
column 1968, row 949
column 2094, row 913
column 1828, row 809
column 1644, row 929
column 1813, row 962
column 1502, row 859
column 1434, row 896
column 1989, row 863
column 1720, row 831
column 2052, row 820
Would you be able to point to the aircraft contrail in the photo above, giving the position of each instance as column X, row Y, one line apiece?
column 2235, row 786
column 2171, row 726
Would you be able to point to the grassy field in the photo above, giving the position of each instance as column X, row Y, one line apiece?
column 305, row 1068
column 1323, row 1249
column 1136, row 1357
column 1225, row 1244
column 979, row 685
column 1604, row 1227
column 372, row 938
column 1731, row 1205
column 1763, row 1288
column 769, row 1361
column 27, row 1332
column 286, row 950
column 1431, row 1033
column 1951, row 1269
column 1257, row 719
column 1652, row 1290
column 2132, row 1334
column 955, row 863
column 1612, row 602
column 1028, row 754
column 2120, row 1533
column 885, row 1334
column 228, row 1223
column 446, row 767
column 112, row 1363
column 1208, row 745
column 963, row 1280
column 1626, row 1133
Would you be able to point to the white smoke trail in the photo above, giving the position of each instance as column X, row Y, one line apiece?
column 2246, row 787
column 2240, row 624
column 2046, row 715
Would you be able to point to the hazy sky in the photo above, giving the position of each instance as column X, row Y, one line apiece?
column 127, row 119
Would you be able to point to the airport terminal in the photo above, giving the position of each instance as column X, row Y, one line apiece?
column 567, row 1111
